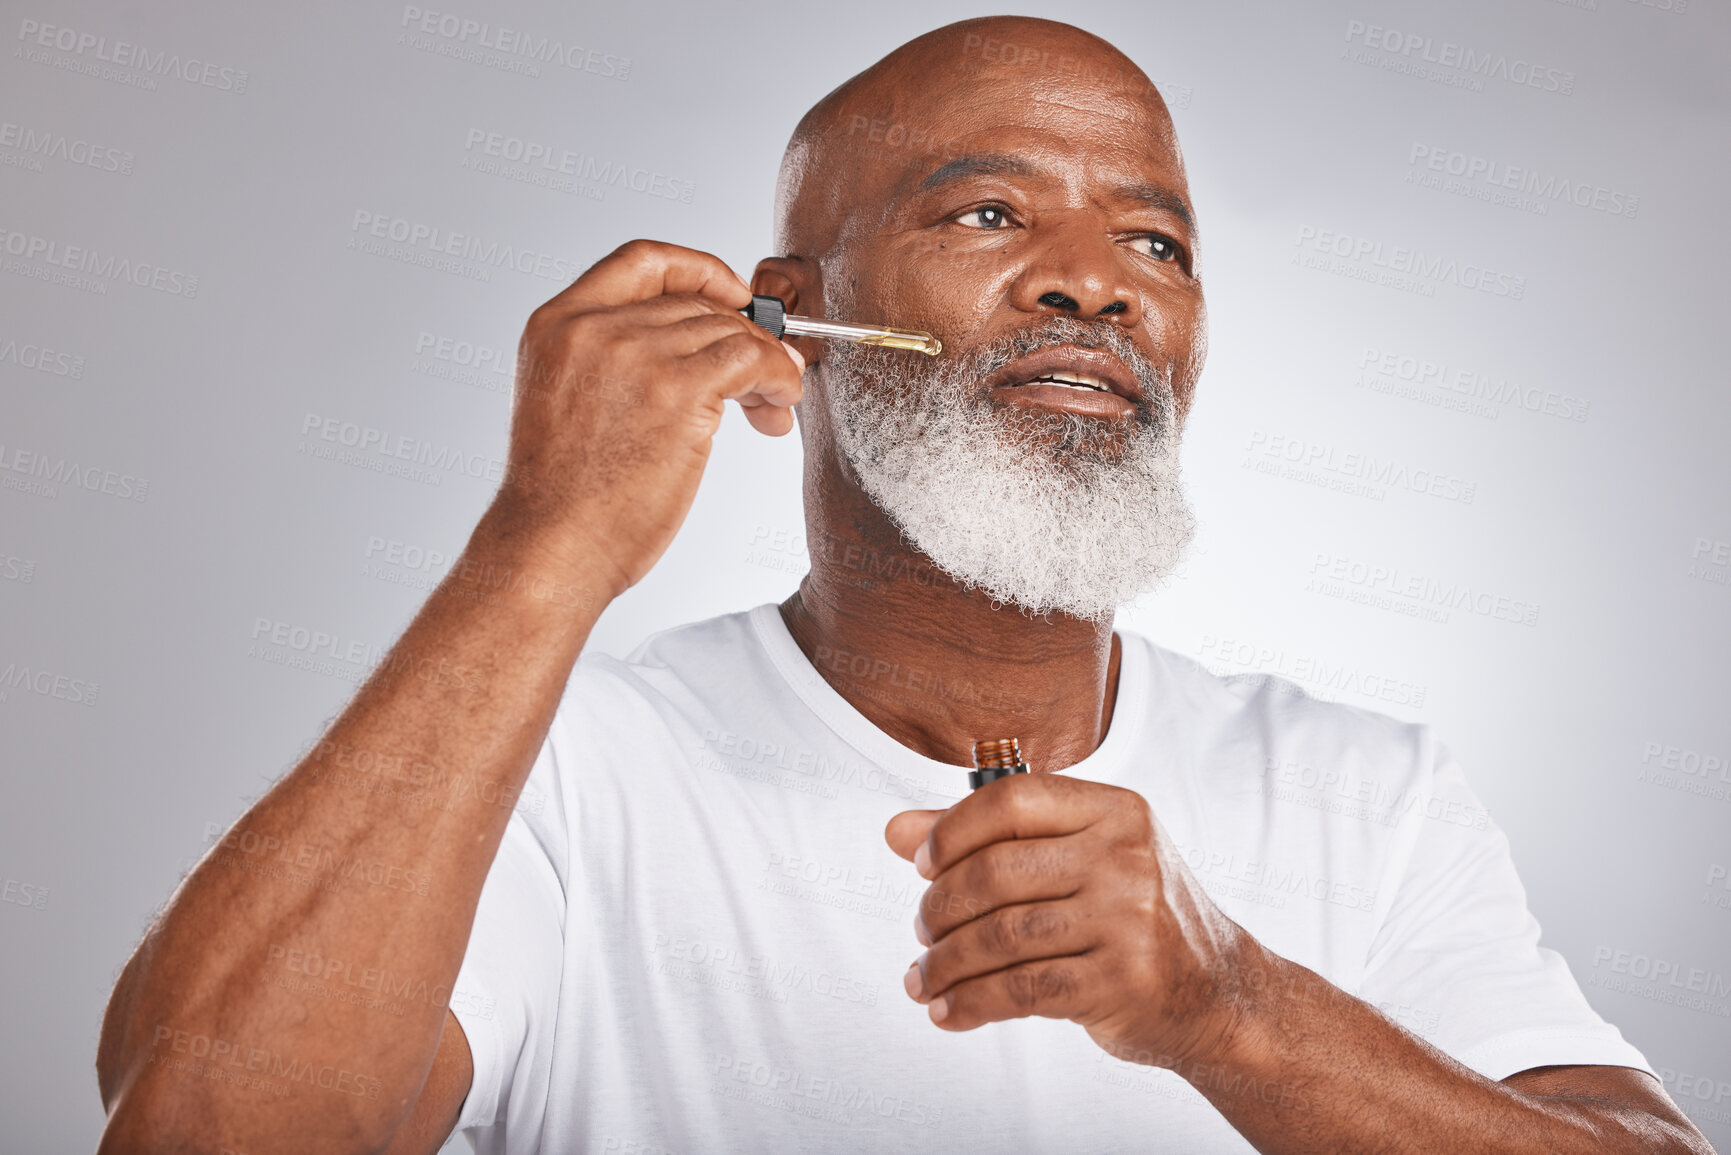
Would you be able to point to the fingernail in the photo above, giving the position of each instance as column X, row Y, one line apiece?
column 914, row 982
column 940, row 1009
column 798, row 360
column 921, row 934
column 923, row 861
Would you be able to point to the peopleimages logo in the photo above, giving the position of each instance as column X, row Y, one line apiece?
column 46, row 472
column 57, row 363
column 1516, row 186
column 80, row 259
column 1386, row 586
column 1402, row 267
column 1711, row 561
column 1702, row 1097
column 1688, row 771
column 1280, row 878
column 1450, row 63
column 348, row 441
column 1662, row 979
column 1349, row 471
column 474, row 40
column 36, row 143
column 47, row 684
column 433, row 241
column 34, row 34
column 554, row 160
column 398, row 563
column 1225, row 656
column 1393, row 371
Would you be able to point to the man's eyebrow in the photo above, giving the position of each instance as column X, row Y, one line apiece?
column 1002, row 164
column 1158, row 198
column 981, row 164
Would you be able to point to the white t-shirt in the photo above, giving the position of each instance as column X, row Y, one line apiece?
column 694, row 935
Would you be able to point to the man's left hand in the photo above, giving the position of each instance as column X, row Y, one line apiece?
column 1064, row 898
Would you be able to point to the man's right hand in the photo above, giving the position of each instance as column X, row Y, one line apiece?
column 621, row 383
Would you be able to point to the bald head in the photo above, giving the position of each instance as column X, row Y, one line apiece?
column 912, row 113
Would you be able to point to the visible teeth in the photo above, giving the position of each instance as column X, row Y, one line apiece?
column 1075, row 381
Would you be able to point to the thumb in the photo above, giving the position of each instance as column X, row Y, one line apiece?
column 907, row 831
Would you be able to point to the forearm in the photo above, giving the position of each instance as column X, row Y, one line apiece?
column 370, row 854
column 1309, row 1068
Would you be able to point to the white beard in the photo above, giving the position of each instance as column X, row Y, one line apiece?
column 1045, row 511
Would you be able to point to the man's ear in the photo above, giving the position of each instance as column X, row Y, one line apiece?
column 795, row 281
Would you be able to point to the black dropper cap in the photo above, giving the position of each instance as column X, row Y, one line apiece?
column 769, row 312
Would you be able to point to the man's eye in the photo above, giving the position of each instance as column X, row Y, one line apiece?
column 1159, row 247
column 989, row 217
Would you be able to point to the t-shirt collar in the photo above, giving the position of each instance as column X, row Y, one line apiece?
column 1105, row 764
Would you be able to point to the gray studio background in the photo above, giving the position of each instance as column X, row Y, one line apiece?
column 1459, row 452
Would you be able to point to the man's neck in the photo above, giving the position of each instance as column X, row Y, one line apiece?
column 936, row 666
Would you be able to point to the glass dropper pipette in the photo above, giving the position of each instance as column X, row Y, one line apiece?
column 772, row 314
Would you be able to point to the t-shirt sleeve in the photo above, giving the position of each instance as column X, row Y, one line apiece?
column 1457, row 958
column 506, row 996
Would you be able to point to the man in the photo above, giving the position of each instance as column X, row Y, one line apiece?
column 645, row 905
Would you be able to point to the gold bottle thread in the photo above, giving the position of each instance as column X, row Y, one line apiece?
column 997, row 753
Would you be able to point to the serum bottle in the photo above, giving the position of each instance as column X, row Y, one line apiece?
column 995, row 758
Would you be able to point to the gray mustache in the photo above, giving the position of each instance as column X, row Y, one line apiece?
column 1156, row 390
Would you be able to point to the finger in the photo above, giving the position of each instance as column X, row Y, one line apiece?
column 1025, row 932
column 1053, row 988
column 907, row 831
column 679, row 324
column 670, row 309
column 638, row 270
column 1002, row 874
column 722, row 324
column 1020, row 806
column 775, row 420
column 746, row 363
column 772, row 420
column 683, row 338
column 699, row 330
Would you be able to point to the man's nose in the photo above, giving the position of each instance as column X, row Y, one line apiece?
column 1079, row 275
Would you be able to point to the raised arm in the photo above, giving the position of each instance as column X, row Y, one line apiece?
column 372, row 851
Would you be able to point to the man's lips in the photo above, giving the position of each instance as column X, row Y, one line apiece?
column 1088, row 381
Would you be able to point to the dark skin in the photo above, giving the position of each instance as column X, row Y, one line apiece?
column 1043, row 211
column 1063, row 202
column 1050, row 895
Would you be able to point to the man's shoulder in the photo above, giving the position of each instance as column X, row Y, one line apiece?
column 723, row 635
column 722, row 648
column 1278, row 712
